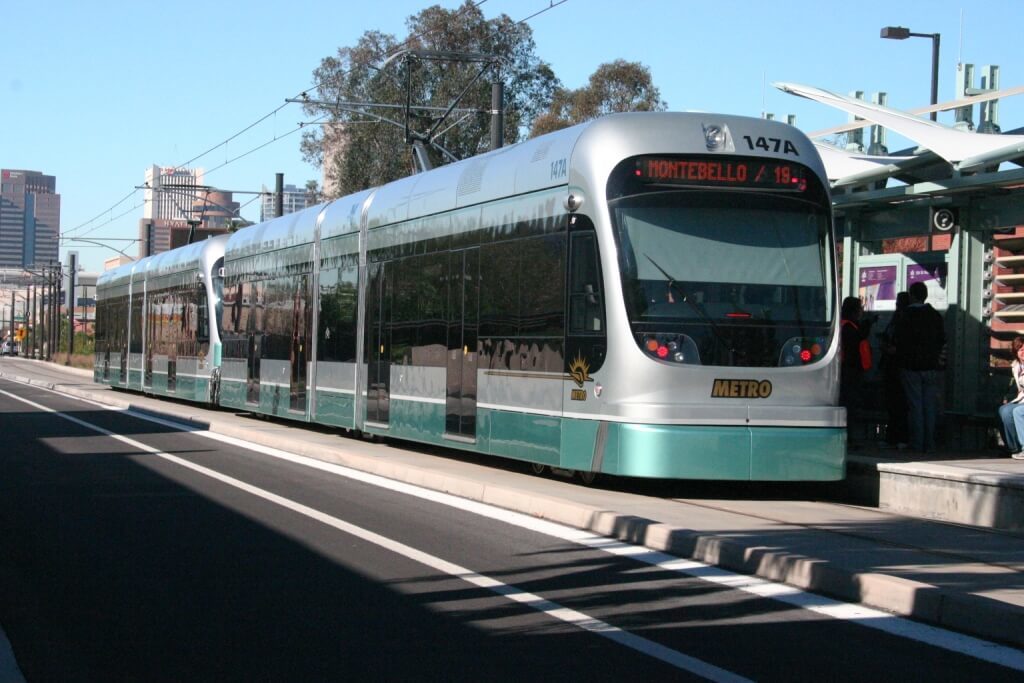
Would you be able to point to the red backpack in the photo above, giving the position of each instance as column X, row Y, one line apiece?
column 864, row 348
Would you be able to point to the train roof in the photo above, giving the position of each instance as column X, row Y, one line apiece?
column 167, row 263
column 548, row 161
column 517, row 169
column 282, row 232
column 189, row 257
column 344, row 215
column 544, row 162
column 117, row 276
column 606, row 141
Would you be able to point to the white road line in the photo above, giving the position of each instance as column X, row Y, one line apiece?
column 513, row 593
column 819, row 604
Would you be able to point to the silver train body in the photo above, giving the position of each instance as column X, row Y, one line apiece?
column 648, row 295
column 156, row 325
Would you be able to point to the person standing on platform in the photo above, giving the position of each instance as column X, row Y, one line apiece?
column 856, row 360
column 896, row 431
column 1011, row 413
column 920, row 338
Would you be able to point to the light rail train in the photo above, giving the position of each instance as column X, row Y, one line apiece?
column 644, row 295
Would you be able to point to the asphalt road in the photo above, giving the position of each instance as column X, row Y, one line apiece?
column 173, row 556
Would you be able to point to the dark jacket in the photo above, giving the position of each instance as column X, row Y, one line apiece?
column 920, row 338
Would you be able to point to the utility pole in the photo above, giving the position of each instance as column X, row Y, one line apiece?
column 55, row 310
column 72, row 267
column 418, row 141
column 278, row 194
column 497, row 115
column 28, row 322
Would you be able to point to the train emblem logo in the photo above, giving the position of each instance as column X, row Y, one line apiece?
column 741, row 388
column 579, row 370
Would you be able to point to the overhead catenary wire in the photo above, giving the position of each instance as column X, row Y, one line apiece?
column 223, row 143
column 70, row 233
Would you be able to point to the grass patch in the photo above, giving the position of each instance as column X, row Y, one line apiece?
column 77, row 360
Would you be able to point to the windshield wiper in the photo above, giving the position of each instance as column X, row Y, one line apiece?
column 719, row 337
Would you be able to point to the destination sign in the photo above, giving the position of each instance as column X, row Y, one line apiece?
column 722, row 171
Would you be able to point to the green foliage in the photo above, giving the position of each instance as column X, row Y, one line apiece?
column 618, row 86
column 362, row 152
column 314, row 195
column 85, row 343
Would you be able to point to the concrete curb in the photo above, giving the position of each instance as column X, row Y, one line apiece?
column 952, row 473
column 967, row 613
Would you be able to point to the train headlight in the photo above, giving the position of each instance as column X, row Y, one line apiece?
column 717, row 137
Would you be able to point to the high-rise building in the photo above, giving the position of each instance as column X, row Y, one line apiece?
column 170, row 192
column 29, row 219
column 295, row 199
column 179, row 207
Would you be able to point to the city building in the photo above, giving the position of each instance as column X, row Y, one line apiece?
column 178, row 207
column 295, row 199
column 116, row 262
column 85, row 302
column 170, row 192
column 29, row 219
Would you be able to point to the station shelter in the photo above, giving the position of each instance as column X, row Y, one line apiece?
column 963, row 236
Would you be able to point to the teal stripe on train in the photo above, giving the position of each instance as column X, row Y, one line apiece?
column 656, row 451
column 335, row 409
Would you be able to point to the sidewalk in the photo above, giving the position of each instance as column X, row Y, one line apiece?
column 966, row 578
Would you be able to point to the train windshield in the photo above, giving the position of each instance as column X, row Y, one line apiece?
column 740, row 278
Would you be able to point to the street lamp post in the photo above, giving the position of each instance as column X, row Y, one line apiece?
column 902, row 33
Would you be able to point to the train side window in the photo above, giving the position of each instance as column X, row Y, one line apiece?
column 586, row 300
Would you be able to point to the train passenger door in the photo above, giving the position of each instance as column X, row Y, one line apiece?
column 463, row 312
column 378, row 365
column 176, row 328
column 252, row 369
column 149, row 325
column 124, row 340
column 254, row 336
column 300, row 338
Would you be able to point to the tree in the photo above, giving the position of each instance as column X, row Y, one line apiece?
column 614, row 87
column 359, row 151
column 314, row 195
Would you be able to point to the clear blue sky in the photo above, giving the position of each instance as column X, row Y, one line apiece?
column 94, row 93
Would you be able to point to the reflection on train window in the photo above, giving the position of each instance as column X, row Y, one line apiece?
column 739, row 277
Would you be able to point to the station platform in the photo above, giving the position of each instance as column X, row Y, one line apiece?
column 984, row 489
column 938, row 540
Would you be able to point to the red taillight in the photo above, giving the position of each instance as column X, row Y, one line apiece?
column 662, row 351
column 737, row 315
column 805, row 355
